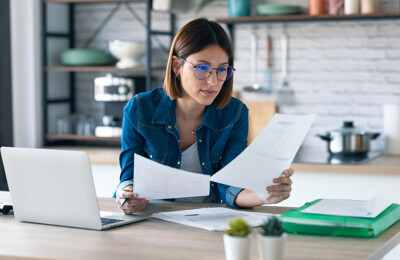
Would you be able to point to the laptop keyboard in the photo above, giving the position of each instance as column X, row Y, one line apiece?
column 107, row 221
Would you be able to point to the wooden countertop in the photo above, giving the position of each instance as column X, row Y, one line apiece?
column 97, row 155
column 384, row 164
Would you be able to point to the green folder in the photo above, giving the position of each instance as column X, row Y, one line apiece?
column 295, row 221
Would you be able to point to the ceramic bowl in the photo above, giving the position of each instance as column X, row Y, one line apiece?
column 128, row 52
column 86, row 57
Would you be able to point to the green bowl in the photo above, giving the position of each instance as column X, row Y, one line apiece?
column 265, row 9
column 86, row 57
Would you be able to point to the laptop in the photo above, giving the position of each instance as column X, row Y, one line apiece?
column 56, row 187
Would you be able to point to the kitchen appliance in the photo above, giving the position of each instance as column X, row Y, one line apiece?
column 348, row 140
column 111, row 127
column 111, row 88
column 115, row 92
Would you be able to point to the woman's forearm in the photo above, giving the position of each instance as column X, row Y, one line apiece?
column 248, row 199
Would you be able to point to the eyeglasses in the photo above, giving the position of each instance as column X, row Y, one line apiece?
column 203, row 71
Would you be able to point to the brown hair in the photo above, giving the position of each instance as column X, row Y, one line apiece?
column 192, row 38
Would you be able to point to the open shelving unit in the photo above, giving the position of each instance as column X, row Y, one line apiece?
column 231, row 22
column 50, row 139
column 99, row 68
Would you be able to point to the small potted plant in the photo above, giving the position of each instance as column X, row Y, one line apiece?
column 271, row 241
column 237, row 240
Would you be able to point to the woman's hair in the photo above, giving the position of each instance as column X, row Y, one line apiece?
column 192, row 38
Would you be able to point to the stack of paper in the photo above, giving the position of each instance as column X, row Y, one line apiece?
column 212, row 219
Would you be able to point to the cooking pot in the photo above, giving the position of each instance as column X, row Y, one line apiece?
column 348, row 140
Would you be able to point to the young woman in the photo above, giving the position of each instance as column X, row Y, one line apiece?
column 193, row 123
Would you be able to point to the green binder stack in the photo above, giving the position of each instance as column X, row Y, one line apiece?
column 298, row 222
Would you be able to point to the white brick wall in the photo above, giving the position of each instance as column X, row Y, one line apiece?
column 342, row 70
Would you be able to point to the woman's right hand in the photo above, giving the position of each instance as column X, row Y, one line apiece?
column 133, row 203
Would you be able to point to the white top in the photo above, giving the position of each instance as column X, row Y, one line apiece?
column 191, row 162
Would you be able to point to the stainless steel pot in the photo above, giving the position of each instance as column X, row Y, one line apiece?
column 348, row 140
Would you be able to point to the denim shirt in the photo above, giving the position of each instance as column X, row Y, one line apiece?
column 149, row 129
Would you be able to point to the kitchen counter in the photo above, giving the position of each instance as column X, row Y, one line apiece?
column 97, row 155
column 384, row 164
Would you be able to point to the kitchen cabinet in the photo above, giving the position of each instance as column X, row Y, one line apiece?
column 65, row 38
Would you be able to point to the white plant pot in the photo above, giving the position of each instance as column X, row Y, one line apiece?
column 237, row 248
column 271, row 247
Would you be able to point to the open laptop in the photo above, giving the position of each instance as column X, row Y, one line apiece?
column 56, row 187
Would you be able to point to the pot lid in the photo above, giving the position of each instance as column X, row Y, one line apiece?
column 349, row 128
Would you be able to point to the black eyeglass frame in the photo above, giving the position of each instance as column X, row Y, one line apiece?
column 209, row 74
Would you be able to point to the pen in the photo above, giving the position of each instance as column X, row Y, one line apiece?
column 191, row 215
column 125, row 200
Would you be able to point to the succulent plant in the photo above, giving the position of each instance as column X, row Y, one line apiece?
column 239, row 228
column 272, row 227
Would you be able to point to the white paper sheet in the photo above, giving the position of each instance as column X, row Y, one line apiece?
column 157, row 181
column 212, row 219
column 268, row 155
column 349, row 208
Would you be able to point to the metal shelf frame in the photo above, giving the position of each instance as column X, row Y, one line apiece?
column 47, row 140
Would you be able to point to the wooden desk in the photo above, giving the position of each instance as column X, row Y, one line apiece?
column 158, row 239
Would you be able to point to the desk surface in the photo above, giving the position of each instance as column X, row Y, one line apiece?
column 158, row 239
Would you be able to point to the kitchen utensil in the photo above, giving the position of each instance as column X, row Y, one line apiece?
column 348, row 140
column 253, row 66
column 285, row 95
column 267, row 82
column 316, row 7
column 86, row 57
column 129, row 52
column 267, row 9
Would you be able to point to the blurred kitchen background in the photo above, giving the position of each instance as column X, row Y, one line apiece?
column 342, row 70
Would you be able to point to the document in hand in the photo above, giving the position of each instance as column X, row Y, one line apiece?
column 268, row 155
column 157, row 181
column 300, row 221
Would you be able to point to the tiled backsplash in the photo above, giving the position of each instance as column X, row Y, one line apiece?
column 342, row 70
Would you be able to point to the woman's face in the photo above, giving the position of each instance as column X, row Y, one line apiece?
column 202, row 91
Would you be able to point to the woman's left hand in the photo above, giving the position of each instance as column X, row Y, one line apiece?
column 281, row 190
